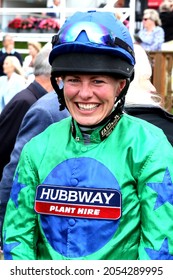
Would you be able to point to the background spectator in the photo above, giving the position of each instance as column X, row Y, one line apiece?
column 12, row 115
column 140, row 88
column 56, row 4
column 8, row 49
column 119, row 4
column 143, row 101
column 13, row 82
column 28, row 63
column 151, row 35
column 166, row 16
column 41, row 114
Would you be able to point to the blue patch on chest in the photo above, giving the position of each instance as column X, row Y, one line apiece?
column 75, row 237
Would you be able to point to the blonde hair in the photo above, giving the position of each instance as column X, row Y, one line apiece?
column 153, row 15
column 141, row 90
column 16, row 63
column 36, row 45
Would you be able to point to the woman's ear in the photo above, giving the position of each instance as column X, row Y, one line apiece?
column 122, row 84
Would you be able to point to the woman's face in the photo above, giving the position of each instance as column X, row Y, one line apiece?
column 90, row 98
column 8, row 66
column 32, row 51
column 147, row 21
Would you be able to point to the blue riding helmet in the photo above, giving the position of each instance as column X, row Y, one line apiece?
column 92, row 42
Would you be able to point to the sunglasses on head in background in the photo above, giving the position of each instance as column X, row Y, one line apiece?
column 145, row 19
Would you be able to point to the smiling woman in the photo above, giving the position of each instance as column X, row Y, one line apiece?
column 90, row 98
column 89, row 187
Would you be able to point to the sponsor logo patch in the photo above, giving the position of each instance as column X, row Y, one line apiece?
column 78, row 202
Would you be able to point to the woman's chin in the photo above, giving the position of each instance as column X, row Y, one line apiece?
column 87, row 121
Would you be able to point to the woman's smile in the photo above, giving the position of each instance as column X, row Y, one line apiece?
column 91, row 98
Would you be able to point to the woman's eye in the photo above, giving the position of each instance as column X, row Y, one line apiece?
column 73, row 80
column 98, row 82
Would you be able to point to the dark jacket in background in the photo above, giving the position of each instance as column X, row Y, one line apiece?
column 12, row 116
column 167, row 25
column 53, row 14
column 155, row 115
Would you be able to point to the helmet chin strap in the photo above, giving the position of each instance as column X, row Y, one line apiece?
column 59, row 92
column 121, row 98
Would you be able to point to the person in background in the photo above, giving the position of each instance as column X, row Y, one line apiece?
column 104, row 178
column 13, row 82
column 151, row 36
column 166, row 16
column 7, row 50
column 142, row 99
column 54, row 6
column 119, row 14
column 13, row 113
column 29, row 60
column 38, row 117
column 110, row 3
column 119, row 4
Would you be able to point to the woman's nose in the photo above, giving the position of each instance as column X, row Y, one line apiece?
column 85, row 91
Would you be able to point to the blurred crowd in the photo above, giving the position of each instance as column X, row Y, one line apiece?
column 16, row 73
column 156, row 32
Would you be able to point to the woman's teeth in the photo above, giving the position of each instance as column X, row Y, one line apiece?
column 87, row 106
